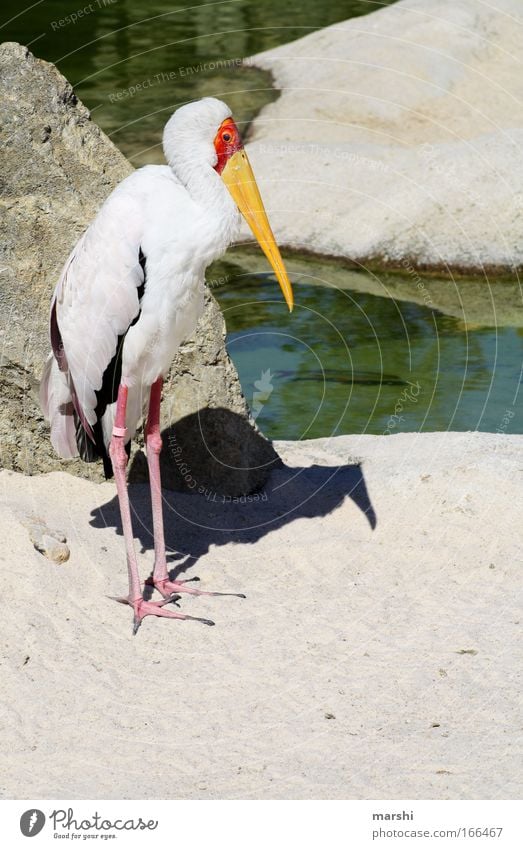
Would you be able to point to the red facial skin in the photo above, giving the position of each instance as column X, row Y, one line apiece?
column 227, row 142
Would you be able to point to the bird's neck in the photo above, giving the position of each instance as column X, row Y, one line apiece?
column 207, row 189
column 200, row 179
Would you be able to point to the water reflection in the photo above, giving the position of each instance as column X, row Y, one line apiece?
column 133, row 63
column 350, row 361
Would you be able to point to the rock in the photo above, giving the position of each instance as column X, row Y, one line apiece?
column 53, row 550
column 56, row 168
column 398, row 137
column 50, row 543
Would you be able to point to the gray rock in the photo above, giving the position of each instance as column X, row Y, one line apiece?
column 56, row 168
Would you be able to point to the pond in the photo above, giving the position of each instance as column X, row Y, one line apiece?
column 372, row 352
column 134, row 62
column 362, row 352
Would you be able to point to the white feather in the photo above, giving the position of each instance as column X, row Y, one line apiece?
column 181, row 217
column 56, row 403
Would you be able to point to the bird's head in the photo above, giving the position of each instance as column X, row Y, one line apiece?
column 205, row 133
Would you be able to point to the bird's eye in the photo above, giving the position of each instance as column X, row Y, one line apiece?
column 226, row 137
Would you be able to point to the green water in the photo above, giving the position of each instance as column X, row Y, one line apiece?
column 361, row 352
column 350, row 360
column 132, row 62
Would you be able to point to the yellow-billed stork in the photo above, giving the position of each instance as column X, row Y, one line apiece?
column 131, row 292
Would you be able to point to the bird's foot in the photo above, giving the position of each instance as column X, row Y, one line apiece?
column 144, row 608
column 170, row 588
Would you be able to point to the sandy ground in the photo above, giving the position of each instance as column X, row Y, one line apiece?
column 375, row 655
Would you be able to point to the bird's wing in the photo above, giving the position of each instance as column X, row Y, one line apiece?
column 97, row 299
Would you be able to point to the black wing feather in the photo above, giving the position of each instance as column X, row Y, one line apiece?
column 90, row 451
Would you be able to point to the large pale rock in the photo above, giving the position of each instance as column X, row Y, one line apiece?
column 399, row 135
column 56, row 168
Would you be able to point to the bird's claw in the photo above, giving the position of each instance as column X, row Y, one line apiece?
column 169, row 588
column 144, row 608
column 170, row 591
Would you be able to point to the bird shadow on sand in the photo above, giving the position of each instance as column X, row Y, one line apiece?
column 196, row 521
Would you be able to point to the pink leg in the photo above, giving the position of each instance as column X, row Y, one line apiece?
column 118, row 456
column 160, row 578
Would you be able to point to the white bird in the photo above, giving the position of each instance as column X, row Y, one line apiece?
column 131, row 291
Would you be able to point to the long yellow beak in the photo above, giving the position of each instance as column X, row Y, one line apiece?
column 239, row 179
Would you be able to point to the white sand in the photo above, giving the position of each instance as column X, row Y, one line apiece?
column 406, row 634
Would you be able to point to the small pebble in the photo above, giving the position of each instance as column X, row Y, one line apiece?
column 53, row 549
column 49, row 542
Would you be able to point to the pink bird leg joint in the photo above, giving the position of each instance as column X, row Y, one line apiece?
column 121, row 406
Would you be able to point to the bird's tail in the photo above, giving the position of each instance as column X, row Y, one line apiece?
column 57, row 406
